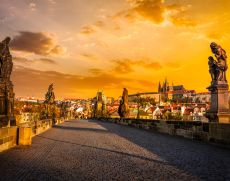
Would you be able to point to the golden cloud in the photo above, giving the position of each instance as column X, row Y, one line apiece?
column 152, row 10
column 128, row 15
column 181, row 21
column 86, row 30
column 39, row 43
column 47, row 60
column 100, row 24
column 157, row 12
column 123, row 66
column 151, row 65
column 214, row 36
column 172, row 65
column 95, row 71
column 89, row 56
column 35, row 82
column 26, row 61
column 126, row 65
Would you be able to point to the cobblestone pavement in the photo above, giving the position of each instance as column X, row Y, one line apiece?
column 91, row 150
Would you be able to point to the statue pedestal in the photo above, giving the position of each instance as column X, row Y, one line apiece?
column 6, row 104
column 219, row 110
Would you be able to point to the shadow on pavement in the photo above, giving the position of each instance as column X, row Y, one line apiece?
column 79, row 129
column 105, row 149
column 200, row 159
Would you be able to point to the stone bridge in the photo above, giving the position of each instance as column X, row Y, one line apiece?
column 94, row 150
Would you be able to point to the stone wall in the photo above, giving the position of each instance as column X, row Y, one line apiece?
column 211, row 132
column 219, row 133
column 26, row 118
column 8, row 138
column 40, row 126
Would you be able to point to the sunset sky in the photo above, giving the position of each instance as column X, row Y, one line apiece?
column 85, row 45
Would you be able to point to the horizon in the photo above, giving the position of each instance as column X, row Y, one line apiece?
column 83, row 46
column 116, row 98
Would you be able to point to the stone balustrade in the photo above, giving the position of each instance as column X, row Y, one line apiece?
column 40, row 126
column 8, row 137
column 26, row 129
column 210, row 132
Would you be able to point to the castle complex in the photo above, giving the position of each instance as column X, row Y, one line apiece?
column 167, row 92
column 171, row 92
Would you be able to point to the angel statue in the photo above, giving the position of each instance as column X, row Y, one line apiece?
column 218, row 67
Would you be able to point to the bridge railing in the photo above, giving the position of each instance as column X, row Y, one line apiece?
column 206, row 131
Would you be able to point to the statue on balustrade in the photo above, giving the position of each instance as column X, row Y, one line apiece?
column 50, row 96
column 218, row 67
column 219, row 108
column 6, row 86
column 6, row 63
column 123, row 109
column 50, row 103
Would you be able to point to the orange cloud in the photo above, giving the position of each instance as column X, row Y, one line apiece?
column 128, row 15
column 86, row 30
column 95, row 71
column 151, row 65
column 123, row 66
column 172, row 65
column 100, row 23
column 47, row 60
column 34, row 82
column 126, row 65
column 26, row 61
column 150, row 9
column 178, row 15
column 181, row 21
column 39, row 43
column 157, row 12
column 89, row 56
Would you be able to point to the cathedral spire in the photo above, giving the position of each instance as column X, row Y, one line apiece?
column 159, row 87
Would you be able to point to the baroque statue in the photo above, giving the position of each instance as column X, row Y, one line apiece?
column 6, row 87
column 99, row 105
column 218, row 67
column 50, row 97
column 6, row 63
column 219, row 106
column 50, row 106
column 123, row 109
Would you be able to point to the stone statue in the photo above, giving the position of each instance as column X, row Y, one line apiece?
column 219, row 108
column 6, row 63
column 212, row 68
column 50, row 106
column 123, row 109
column 100, row 105
column 63, row 111
column 50, row 97
column 6, row 86
column 218, row 67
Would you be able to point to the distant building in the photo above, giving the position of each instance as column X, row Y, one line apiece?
column 202, row 97
column 172, row 92
column 166, row 92
column 99, row 104
column 28, row 99
column 110, row 100
column 154, row 95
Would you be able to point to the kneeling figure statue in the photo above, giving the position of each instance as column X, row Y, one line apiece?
column 218, row 67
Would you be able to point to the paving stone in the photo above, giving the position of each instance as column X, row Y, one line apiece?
column 93, row 150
